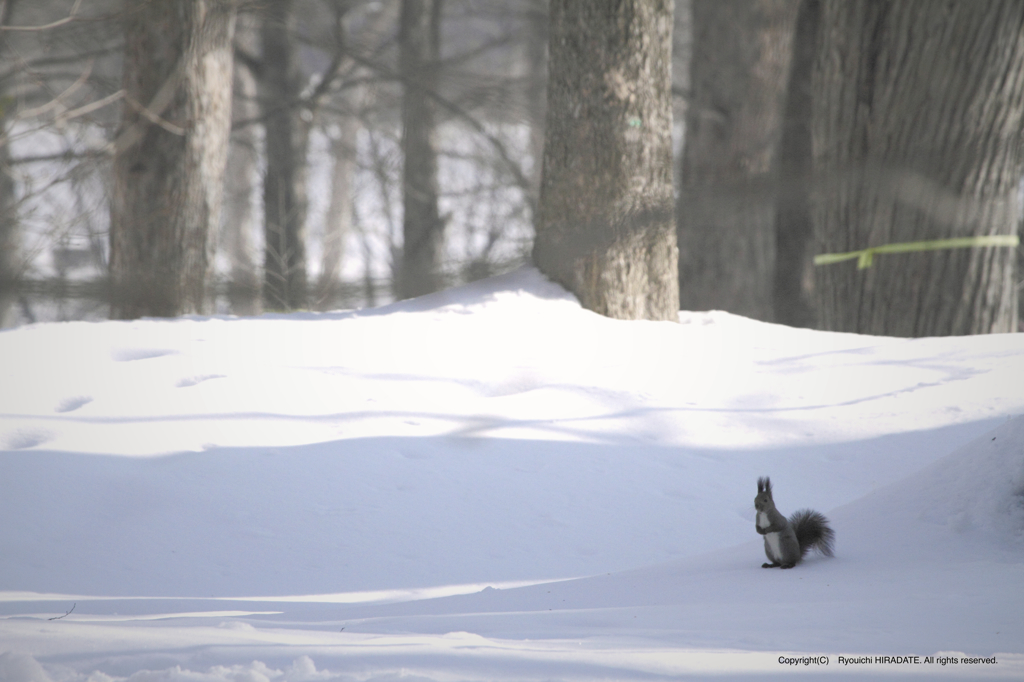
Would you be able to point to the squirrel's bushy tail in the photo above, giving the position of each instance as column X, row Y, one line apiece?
column 812, row 530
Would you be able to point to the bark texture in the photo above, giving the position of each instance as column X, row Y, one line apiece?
column 793, row 300
column 9, row 238
column 605, row 227
column 422, row 226
column 536, row 89
column 240, row 182
column 917, row 136
column 286, row 140
column 10, row 270
column 726, row 215
column 170, row 154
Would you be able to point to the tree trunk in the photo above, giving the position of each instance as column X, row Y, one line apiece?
column 917, row 136
column 536, row 104
column 605, row 227
column 10, row 270
column 170, row 154
column 740, row 62
column 422, row 227
column 338, row 221
column 793, row 294
column 9, row 242
column 243, row 161
column 284, row 185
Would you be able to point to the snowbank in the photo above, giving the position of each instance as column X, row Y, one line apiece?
column 492, row 483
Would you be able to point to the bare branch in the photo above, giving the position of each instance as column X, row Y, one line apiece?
column 459, row 112
column 248, row 60
column 66, row 614
column 58, row 100
column 161, row 100
column 55, row 103
column 151, row 116
column 481, row 49
column 89, row 108
column 58, row 156
column 341, row 58
column 72, row 16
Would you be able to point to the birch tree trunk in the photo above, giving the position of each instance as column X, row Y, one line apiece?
column 605, row 227
column 739, row 68
column 422, row 227
column 917, row 136
column 170, row 153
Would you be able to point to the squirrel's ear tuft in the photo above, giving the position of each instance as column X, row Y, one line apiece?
column 764, row 485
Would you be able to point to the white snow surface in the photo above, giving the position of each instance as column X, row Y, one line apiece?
column 491, row 483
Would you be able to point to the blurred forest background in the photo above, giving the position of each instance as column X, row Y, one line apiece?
column 345, row 115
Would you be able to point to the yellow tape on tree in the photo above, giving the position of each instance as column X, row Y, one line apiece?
column 866, row 256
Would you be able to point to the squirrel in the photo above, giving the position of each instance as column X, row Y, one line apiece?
column 787, row 542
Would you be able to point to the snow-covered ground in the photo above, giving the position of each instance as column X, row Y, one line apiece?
column 491, row 483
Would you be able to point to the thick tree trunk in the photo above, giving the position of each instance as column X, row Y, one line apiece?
column 536, row 94
column 9, row 242
column 605, row 228
column 422, row 226
column 739, row 68
column 917, row 136
column 284, row 185
column 170, row 154
column 793, row 296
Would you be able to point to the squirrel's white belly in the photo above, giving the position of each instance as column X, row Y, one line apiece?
column 762, row 520
column 774, row 545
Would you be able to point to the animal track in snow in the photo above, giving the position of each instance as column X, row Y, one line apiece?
column 72, row 404
column 192, row 381
column 130, row 354
column 22, row 439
